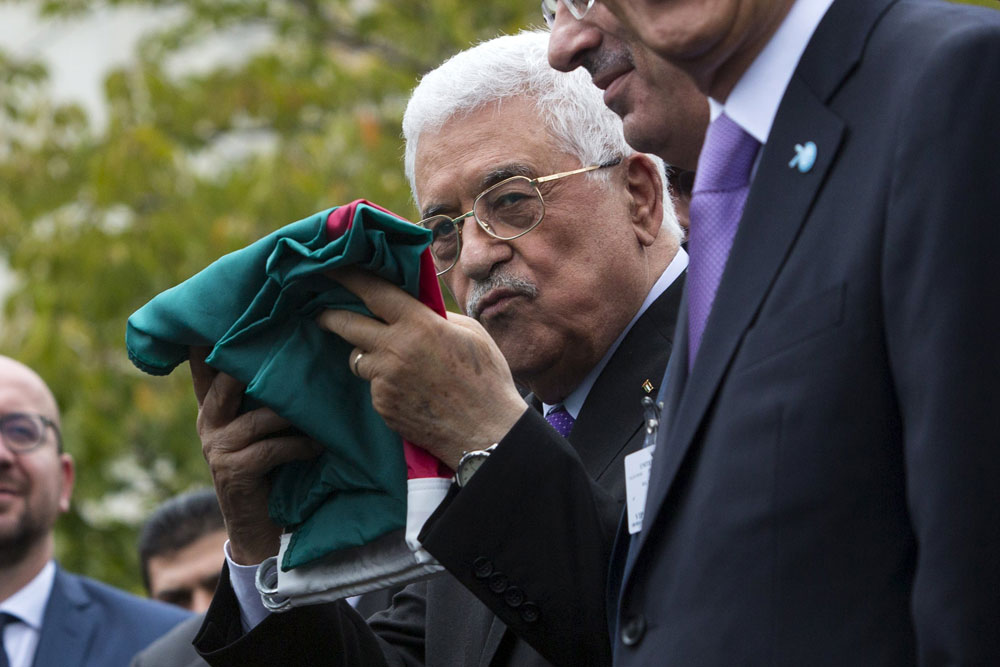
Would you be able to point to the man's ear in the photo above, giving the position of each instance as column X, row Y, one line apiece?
column 645, row 188
column 68, row 473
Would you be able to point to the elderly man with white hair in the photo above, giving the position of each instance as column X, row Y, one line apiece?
column 562, row 246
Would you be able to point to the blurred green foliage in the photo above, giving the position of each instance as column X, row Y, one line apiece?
column 94, row 222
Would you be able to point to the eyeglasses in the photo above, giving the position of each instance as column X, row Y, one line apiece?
column 506, row 211
column 24, row 432
column 578, row 8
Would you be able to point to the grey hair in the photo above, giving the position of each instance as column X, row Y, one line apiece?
column 513, row 66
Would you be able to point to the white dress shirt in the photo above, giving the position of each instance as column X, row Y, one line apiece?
column 21, row 639
column 753, row 102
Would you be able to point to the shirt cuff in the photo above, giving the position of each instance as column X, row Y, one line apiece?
column 242, row 579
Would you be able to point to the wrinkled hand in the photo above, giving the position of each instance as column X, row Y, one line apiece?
column 241, row 449
column 440, row 383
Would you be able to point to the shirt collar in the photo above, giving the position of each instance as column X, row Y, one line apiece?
column 28, row 604
column 753, row 102
column 574, row 401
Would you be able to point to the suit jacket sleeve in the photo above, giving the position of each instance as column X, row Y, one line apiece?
column 942, row 290
column 533, row 493
column 487, row 535
column 324, row 634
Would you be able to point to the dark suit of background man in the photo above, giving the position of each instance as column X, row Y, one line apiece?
column 49, row 617
column 180, row 551
column 562, row 304
column 827, row 487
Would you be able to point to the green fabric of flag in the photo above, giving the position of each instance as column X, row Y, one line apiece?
column 255, row 308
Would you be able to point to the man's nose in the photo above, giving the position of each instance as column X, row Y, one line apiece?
column 7, row 453
column 480, row 251
column 569, row 40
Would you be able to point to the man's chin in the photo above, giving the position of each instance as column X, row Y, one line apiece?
column 15, row 541
column 639, row 137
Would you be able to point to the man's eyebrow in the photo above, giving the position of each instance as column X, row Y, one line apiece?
column 490, row 178
column 174, row 592
column 503, row 172
column 434, row 209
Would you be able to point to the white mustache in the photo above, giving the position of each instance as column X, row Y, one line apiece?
column 483, row 287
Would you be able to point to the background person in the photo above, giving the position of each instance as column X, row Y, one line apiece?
column 49, row 617
column 180, row 552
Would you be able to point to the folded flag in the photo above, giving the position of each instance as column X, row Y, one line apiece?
column 255, row 308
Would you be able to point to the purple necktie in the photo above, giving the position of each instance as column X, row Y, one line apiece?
column 720, row 191
column 561, row 420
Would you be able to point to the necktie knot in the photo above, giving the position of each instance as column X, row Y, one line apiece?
column 5, row 619
column 561, row 420
column 727, row 157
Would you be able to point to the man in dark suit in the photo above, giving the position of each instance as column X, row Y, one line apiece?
column 180, row 552
column 49, row 617
column 825, row 490
column 581, row 306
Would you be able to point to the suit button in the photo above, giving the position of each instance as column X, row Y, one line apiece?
column 498, row 582
column 633, row 629
column 514, row 597
column 529, row 612
column 482, row 567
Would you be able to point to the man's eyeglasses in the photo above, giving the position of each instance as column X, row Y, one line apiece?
column 23, row 432
column 505, row 211
column 578, row 8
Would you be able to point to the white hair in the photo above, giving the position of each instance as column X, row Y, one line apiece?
column 508, row 66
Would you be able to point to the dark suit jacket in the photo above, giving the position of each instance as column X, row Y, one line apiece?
column 90, row 624
column 508, row 542
column 173, row 649
column 828, row 491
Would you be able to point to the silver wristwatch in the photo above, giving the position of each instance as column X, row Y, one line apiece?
column 470, row 463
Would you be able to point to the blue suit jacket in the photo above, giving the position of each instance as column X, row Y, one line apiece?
column 828, row 490
column 90, row 624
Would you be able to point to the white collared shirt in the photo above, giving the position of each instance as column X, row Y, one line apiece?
column 574, row 401
column 28, row 604
column 753, row 102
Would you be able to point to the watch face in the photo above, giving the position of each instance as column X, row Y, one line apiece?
column 469, row 464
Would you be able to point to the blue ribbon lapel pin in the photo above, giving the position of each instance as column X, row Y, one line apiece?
column 805, row 157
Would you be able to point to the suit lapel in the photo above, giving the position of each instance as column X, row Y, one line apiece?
column 497, row 630
column 602, row 429
column 677, row 372
column 612, row 413
column 778, row 204
column 67, row 629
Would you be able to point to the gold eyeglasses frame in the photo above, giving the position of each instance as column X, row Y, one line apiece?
column 459, row 221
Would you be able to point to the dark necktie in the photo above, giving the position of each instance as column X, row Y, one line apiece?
column 561, row 420
column 720, row 190
column 5, row 619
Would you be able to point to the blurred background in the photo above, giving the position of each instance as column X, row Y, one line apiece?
column 142, row 139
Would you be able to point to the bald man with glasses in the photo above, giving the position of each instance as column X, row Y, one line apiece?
column 558, row 241
column 49, row 617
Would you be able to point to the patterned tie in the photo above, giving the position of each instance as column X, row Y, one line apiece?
column 561, row 420
column 5, row 619
column 720, row 191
